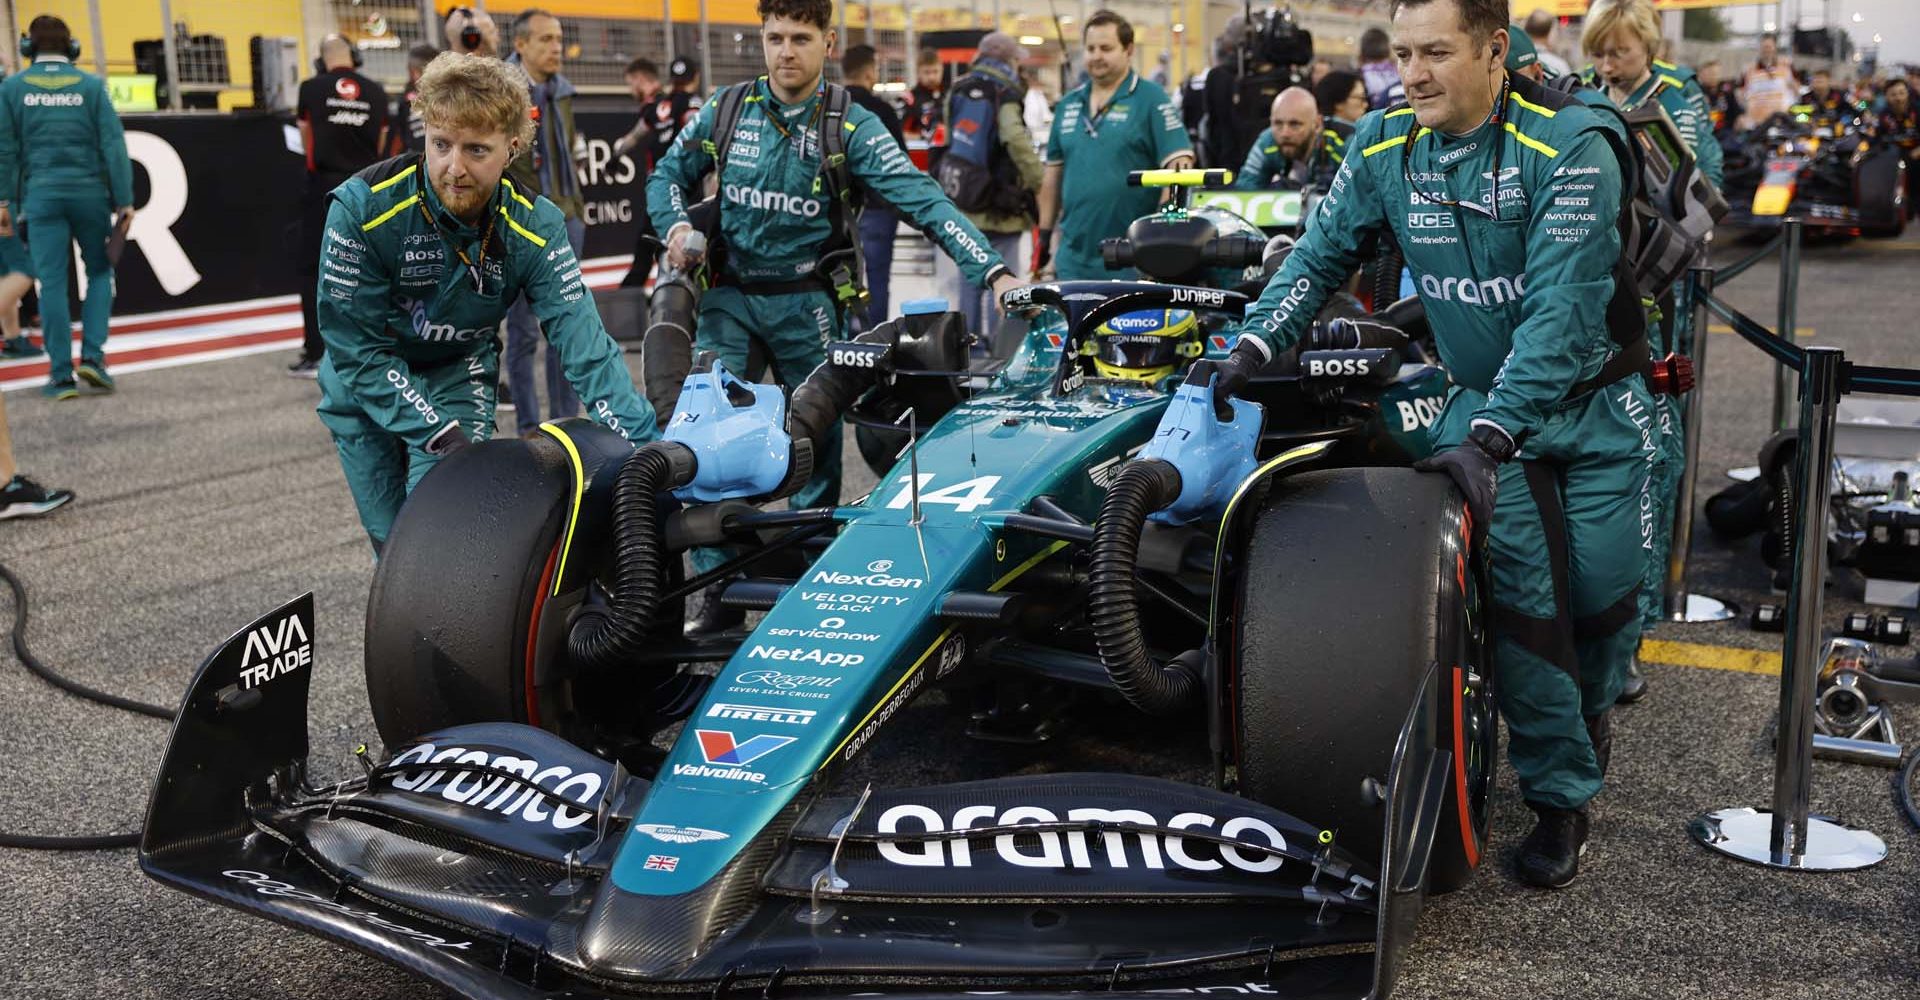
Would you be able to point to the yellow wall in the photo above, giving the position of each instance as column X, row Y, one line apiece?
column 127, row 21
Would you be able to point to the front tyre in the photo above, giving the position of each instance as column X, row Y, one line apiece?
column 1355, row 584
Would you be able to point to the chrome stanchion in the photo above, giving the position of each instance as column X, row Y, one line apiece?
column 1786, row 836
column 1789, row 319
column 1681, row 606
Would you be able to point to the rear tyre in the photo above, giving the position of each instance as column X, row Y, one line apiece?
column 1356, row 583
column 462, row 585
column 1881, row 187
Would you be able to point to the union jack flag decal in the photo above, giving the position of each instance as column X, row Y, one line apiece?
column 661, row 863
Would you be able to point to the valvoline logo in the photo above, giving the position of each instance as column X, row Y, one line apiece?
column 721, row 747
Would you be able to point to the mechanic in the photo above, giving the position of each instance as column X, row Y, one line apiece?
column 343, row 126
column 1341, row 96
column 926, row 99
column 1111, row 125
column 423, row 255
column 1505, row 196
column 1620, row 35
column 407, row 135
column 1522, row 58
column 1899, row 126
column 785, row 224
column 1821, row 100
column 643, row 82
column 664, row 116
column 68, row 158
column 1301, row 151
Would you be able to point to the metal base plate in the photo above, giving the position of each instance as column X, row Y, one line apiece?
column 1746, row 834
column 1701, row 608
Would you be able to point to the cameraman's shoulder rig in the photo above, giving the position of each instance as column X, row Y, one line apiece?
column 841, row 269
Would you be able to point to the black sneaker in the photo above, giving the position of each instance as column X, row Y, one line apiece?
column 304, row 368
column 1636, row 686
column 23, row 497
column 1550, row 856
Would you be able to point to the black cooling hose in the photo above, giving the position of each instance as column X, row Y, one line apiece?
column 83, row 843
column 1386, row 276
column 666, row 349
column 830, row 390
column 1113, row 606
column 603, row 637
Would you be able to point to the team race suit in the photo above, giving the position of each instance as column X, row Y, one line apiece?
column 62, row 151
column 1515, row 281
column 413, row 352
column 1268, row 168
column 1679, row 93
column 775, row 224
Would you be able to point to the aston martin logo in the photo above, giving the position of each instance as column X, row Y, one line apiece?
column 678, row 834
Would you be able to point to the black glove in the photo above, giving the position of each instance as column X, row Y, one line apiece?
column 1043, row 252
column 1474, row 465
column 448, row 440
column 1230, row 376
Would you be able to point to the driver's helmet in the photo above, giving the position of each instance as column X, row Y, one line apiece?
column 1145, row 346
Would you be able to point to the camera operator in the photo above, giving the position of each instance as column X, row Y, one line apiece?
column 473, row 32
column 1240, row 94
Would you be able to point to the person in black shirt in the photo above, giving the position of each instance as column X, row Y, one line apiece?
column 1828, row 103
column 662, row 116
column 409, row 134
column 860, row 70
column 1898, row 127
column 924, row 101
column 343, row 125
column 643, row 82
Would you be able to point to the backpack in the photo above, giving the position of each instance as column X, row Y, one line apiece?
column 842, row 265
column 974, row 169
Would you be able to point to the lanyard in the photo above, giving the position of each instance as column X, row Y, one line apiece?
column 1498, row 120
column 819, row 109
column 1092, row 120
column 486, row 238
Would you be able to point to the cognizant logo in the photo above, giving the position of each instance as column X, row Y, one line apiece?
column 1491, row 292
column 773, row 201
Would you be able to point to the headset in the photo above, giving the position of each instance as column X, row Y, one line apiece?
column 320, row 65
column 469, row 30
column 27, row 51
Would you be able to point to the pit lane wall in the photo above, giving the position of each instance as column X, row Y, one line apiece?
column 219, row 206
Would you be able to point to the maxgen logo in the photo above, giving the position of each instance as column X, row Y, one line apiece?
column 1491, row 292
column 773, row 201
column 721, row 747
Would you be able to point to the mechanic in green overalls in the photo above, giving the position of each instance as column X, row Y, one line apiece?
column 421, row 257
column 1104, row 129
column 1620, row 37
column 777, row 220
column 1301, row 150
column 1505, row 197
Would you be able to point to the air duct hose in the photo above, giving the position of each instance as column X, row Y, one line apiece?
column 1113, row 606
column 602, row 637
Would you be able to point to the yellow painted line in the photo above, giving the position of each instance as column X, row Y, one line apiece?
column 1799, row 332
column 1694, row 654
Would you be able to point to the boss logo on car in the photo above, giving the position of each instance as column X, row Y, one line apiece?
column 857, row 355
column 1115, row 848
column 1316, row 367
column 1419, row 412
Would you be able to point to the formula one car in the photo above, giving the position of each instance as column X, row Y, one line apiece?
column 576, row 801
column 1826, row 171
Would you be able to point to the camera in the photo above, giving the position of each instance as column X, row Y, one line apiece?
column 1274, row 39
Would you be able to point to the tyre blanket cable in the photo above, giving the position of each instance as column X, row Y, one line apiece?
column 71, row 843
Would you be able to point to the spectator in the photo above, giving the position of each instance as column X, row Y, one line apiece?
column 407, row 134
column 1341, row 96
column 990, row 168
column 69, row 159
column 1723, row 96
column 472, row 32
column 343, row 125
column 1767, row 86
column 923, row 101
column 1113, row 124
column 1377, row 69
column 545, row 169
column 20, row 496
column 1540, row 27
column 859, row 71
column 1302, row 152
column 643, row 82
column 1317, row 72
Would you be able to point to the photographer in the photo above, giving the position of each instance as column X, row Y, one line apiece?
column 472, row 32
column 1240, row 93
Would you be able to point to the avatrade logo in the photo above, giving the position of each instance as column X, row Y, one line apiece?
column 275, row 650
column 678, row 834
column 721, row 747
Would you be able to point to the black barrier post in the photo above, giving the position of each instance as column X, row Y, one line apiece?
column 1789, row 317
column 1786, row 836
column 1681, row 606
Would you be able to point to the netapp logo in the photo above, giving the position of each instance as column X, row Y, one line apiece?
column 35, row 99
column 773, row 201
column 1491, row 292
column 1155, row 850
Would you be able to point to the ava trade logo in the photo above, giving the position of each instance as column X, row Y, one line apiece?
column 720, row 747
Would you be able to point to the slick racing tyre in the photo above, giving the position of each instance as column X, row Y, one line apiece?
column 1357, row 583
column 454, row 618
column 1880, row 184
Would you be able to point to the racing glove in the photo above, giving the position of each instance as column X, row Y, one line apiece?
column 1474, row 465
